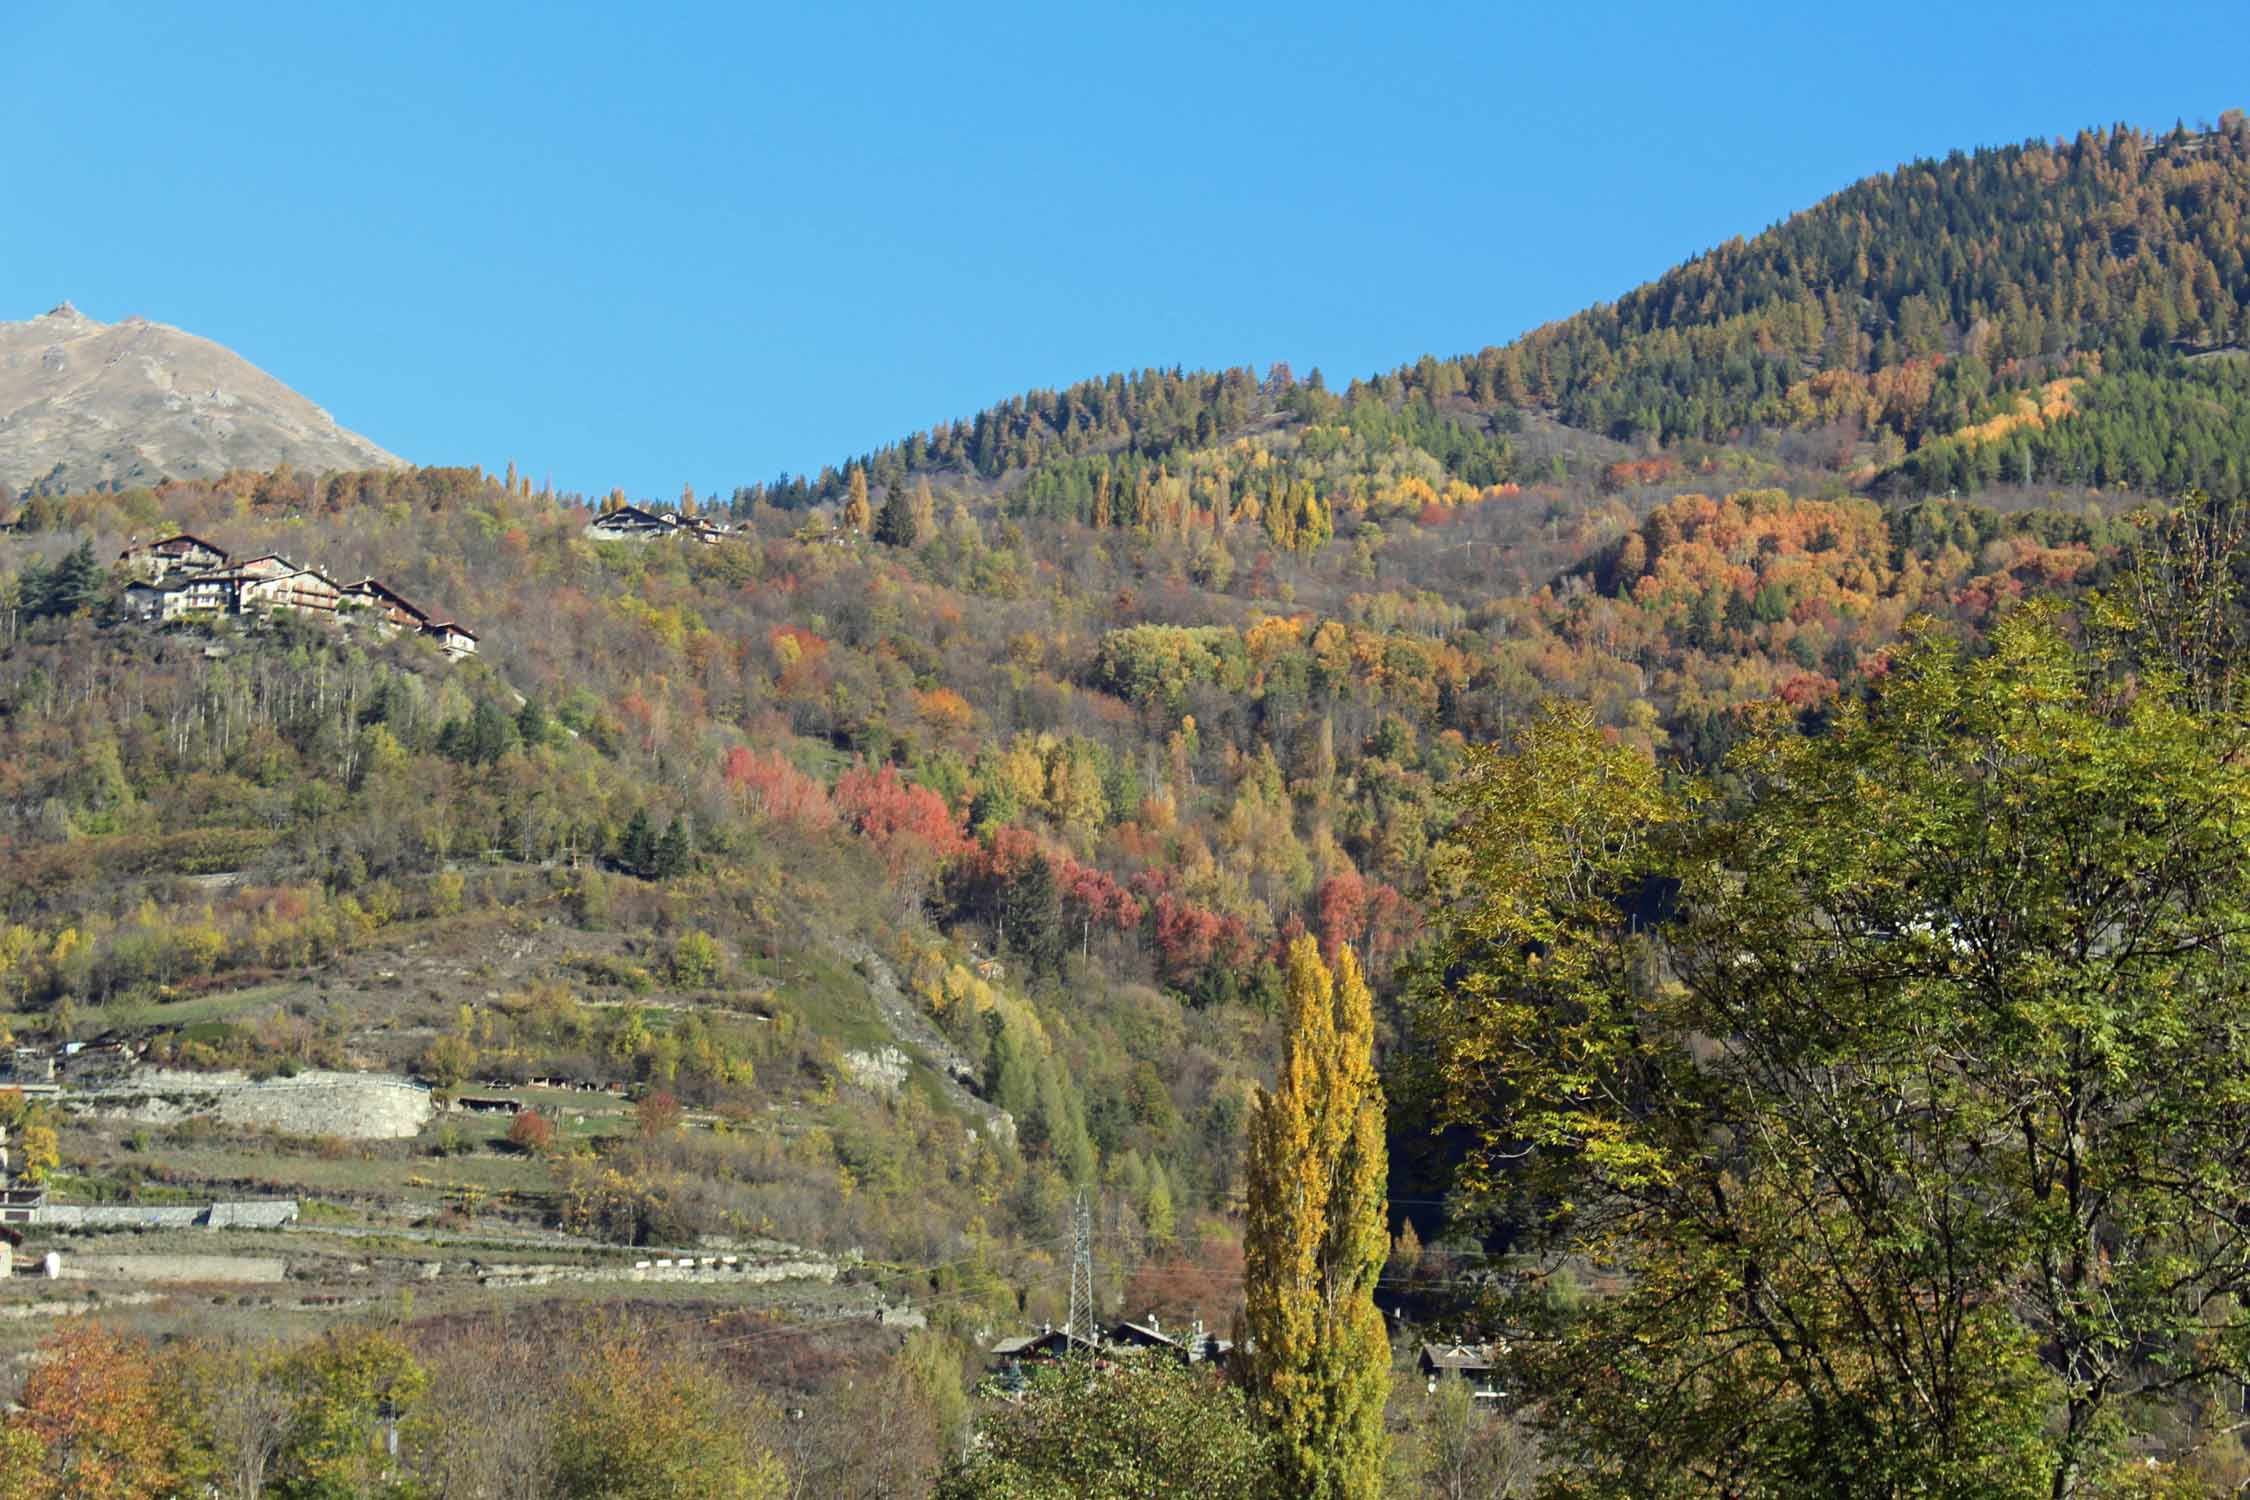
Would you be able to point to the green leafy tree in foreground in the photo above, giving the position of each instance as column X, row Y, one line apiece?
column 1316, row 1239
column 345, row 1391
column 1916, row 1142
column 1137, row 1428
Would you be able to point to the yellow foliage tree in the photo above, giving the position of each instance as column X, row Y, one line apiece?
column 1316, row 1240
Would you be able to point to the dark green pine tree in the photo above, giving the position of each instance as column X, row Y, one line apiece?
column 32, row 588
column 895, row 526
column 1009, row 1080
column 491, row 732
column 670, row 855
column 1031, row 915
column 636, row 846
column 71, row 585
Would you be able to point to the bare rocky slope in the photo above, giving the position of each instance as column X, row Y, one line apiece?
column 86, row 405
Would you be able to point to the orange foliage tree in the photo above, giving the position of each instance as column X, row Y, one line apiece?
column 91, row 1424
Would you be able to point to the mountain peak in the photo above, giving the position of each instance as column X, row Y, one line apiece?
column 89, row 405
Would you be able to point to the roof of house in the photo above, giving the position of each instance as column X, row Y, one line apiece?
column 1027, row 1343
column 1142, row 1333
column 384, row 591
column 1463, row 1358
column 167, row 541
column 238, row 571
column 634, row 513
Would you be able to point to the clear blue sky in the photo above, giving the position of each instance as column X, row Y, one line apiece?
column 653, row 244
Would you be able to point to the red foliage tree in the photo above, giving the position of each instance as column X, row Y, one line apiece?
column 657, row 1115
column 912, row 830
column 1341, row 903
column 532, row 1133
column 765, row 782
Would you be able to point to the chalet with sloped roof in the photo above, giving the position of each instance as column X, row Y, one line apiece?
column 1190, row 1345
column 303, row 590
column 150, row 600
column 1470, row 1362
column 389, row 606
column 180, row 553
column 456, row 640
column 631, row 523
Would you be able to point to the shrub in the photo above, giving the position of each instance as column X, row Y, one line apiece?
column 657, row 1114
column 532, row 1133
column 697, row 960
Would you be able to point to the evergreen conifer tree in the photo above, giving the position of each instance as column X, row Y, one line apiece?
column 896, row 526
column 669, row 856
column 636, row 846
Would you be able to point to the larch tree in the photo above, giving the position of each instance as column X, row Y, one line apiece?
column 925, row 508
column 1315, row 1243
column 857, row 516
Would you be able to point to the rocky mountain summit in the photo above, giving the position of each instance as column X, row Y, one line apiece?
column 87, row 405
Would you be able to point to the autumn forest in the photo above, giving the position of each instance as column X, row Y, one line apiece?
column 1017, row 814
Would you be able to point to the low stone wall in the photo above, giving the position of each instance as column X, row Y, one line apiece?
column 352, row 1106
column 252, row 1268
column 708, row 1270
column 268, row 1215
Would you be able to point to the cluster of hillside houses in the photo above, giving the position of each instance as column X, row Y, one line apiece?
column 1477, row 1364
column 631, row 523
column 182, row 575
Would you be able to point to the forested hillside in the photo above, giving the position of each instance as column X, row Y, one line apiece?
column 2065, row 311
column 1130, row 763
column 924, row 845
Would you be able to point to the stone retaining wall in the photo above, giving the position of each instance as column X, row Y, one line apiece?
column 353, row 1106
column 267, row 1215
column 708, row 1269
column 254, row 1268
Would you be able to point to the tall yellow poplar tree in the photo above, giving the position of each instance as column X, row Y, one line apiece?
column 857, row 515
column 1321, row 1366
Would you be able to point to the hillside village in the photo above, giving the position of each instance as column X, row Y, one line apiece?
column 183, row 576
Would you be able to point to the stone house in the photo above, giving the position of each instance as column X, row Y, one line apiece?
column 181, row 553
column 303, row 590
column 153, row 600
